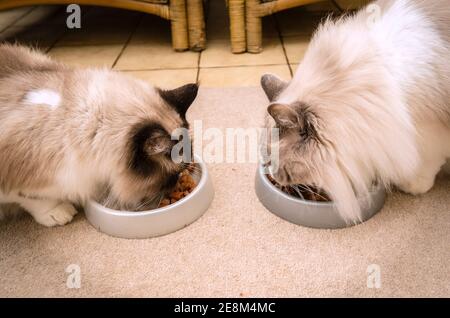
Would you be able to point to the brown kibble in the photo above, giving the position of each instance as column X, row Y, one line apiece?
column 164, row 202
column 177, row 195
column 185, row 185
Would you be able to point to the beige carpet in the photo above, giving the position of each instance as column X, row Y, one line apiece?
column 238, row 248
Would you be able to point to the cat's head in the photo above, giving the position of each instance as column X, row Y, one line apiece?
column 307, row 152
column 146, row 168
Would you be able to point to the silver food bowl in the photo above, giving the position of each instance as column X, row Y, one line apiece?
column 159, row 221
column 319, row 215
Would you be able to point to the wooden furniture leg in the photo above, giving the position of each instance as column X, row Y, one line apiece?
column 236, row 9
column 178, row 20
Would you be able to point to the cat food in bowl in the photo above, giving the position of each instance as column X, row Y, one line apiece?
column 309, row 207
column 191, row 197
column 185, row 185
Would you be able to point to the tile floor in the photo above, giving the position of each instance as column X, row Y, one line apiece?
column 140, row 45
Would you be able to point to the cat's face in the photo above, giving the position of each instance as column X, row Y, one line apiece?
column 147, row 169
column 306, row 156
column 298, row 144
column 299, row 139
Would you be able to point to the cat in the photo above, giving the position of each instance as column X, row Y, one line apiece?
column 370, row 102
column 69, row 135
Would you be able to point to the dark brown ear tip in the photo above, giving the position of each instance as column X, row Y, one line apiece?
column 272, row 86
column 264, row 79
column 189, row 90
column 193, row 87
column 181, row 98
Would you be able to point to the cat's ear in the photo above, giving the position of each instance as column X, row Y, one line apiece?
column 148, row 140
column 157, row 142
column 284, row 115
column 180, row 98
column 273, row 86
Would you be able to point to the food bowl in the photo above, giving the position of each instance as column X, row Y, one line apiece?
column 159, row 221
column 320, row 215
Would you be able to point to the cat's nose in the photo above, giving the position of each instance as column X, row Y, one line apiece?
column 171, row 181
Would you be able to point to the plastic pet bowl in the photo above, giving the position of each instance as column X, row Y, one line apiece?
column 320, row 215
column 156, row 222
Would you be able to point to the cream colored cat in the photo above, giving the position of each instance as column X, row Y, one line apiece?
column 369, row 102
column 68, row 135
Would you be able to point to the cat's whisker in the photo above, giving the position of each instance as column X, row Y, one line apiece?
column 307, row 188
column 299, row 193
column 149, row 201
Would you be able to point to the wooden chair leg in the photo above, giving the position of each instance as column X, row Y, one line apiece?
column 236, row 9
column 254, row 26
column 196, row 25
column 178, row 18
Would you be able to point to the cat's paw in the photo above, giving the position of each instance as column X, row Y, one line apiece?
column 418, row 186
column 61, row 214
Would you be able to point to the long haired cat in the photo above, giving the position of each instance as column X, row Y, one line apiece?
column 68, row 135
column 370, row 102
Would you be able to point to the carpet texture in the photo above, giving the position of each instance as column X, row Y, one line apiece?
column 238, row 248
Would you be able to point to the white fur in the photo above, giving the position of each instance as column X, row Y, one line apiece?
column 381, row 92
column 43, row 97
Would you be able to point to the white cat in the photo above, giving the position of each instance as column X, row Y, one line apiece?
column 369, row 102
